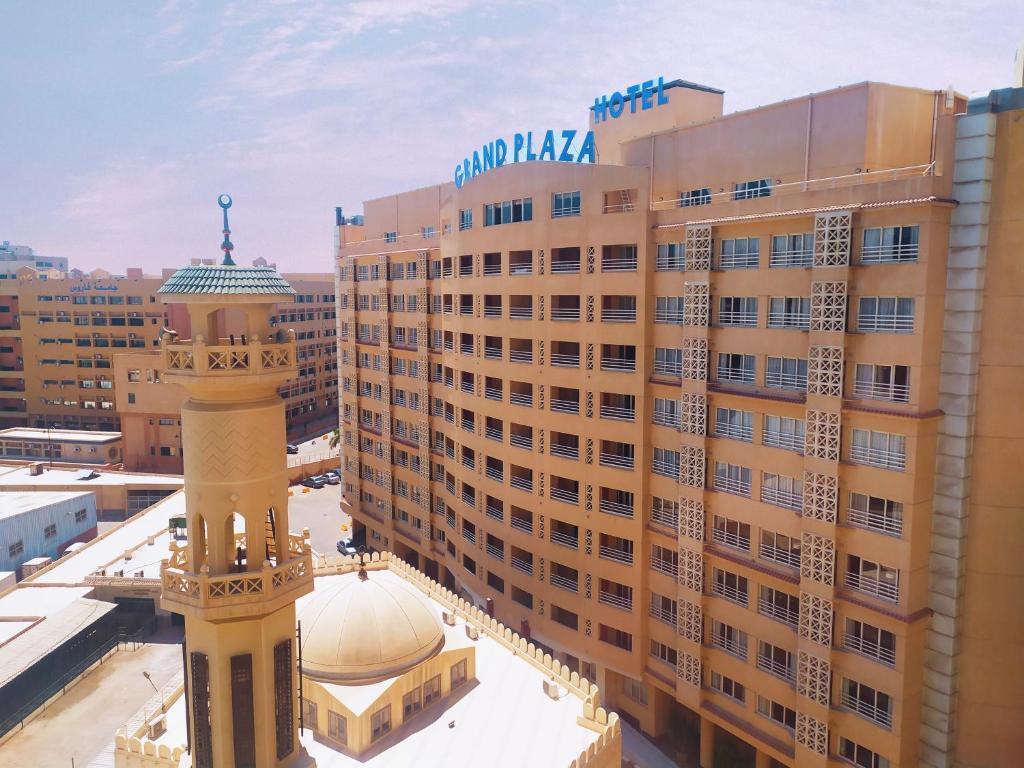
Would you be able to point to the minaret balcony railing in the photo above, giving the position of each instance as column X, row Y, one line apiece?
column 228, row 359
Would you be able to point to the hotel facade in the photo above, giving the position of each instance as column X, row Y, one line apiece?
column 708, row 418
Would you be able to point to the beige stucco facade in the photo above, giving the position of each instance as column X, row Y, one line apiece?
column 684, row 421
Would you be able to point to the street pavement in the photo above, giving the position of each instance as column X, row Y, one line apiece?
column 319, row 509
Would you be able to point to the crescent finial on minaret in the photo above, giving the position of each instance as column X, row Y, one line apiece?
column 224, row 201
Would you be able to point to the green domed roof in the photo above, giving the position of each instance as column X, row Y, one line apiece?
column 227, row 279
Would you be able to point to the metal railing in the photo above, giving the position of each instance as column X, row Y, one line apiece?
column 469, row 536
column 565, row 266
column 665, row 566
column 871, row 711
column 617, row 601
column 896, row 393
column 561, row 494
column 667, row 418
column 565, row 313
column 565, row 361
column 496, row 474
column 522, row 483
column 734, row 431
column 738, row 319
column 876, row 457
column 665, row 468
column 618, row 315
column 466, row 349
column 618, row 263
column 791, row 258
column 520, row 398
column 730, row 539
column 493, row 433
column 739, row 260
column 522, row 524
column 491, row 311
column 730, row 645
column 495, row 551
column 615, row 554
column 777, row 612
column 772, row 667
column 867, row 648
column 875, row 521
column 801, row 320
column 617, row 413
column 616, row 508
column 729, row 592
column 565, row 406
column 789, row 441
column 495, row 513
column 780, row 498
column 566, row 539
column 469, row 499
column 492, row 269
column 885, row 323
column 775, row 554
column 895, row 252
column 874, row 587
column 668, row 368
column 564, row 582
column 492, row 393
column 524, row 566
column 521, row 269
column 492, row 353
column 736, row 375
column 797, row 381
column 520, row 355
column 520, row 313
column 565, row 451
column 662, row 614
column 732, row 485
column 668, row 263
column 617, row 364
column 616, row 460
column 521, row 441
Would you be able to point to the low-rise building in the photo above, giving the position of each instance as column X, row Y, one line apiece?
column 67, row 446
column 41, row 524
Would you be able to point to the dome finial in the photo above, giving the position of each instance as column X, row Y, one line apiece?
column 224, row 201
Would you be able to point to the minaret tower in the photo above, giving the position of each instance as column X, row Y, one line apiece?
column 237, row 579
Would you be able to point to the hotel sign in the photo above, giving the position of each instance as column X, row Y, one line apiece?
column 559, row 145
column 555, row 146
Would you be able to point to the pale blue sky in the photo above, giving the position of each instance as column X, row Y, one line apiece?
column 120, row 123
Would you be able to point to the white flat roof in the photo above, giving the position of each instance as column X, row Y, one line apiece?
column 14, row 503
column 59, row 435
column 58, row 477
column 505, row 720
column 111, row 546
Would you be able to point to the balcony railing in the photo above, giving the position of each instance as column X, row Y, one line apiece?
column 875, row 587
column 565, row 406
column 521, row 269
column 665, row 468
column 665, row 566
column 667, row 368
column 520, row 355
column 787, row 557
column 565, row 361
column 492, row 269
column 738, row 319
column 492, row 393
column 561, row 494
column 521, row 441
column 878, row 652
column 780, row 498
column 729, row 592
column 566, row 539
column 520, row 313
column 522, row 483
column 880, row 254
column 617, row 601
column 565, row 313
column 495, row 513
column 563, row 582
column 866, row 709
column 795, row 381
column 788, row 258
column 617, row 364
column 522, row 524
column 469, row 536
column 492, row 353
column 466, row 349
column 565, row 451
column 875, row 457
column 496, row 474
column 615, row 554
column 662, row 614
column 492, row 311
column 524, row 566
column 493, row 433
column 730, row 645
column 736, row 375
column 732, row 485
column 896, row 393
column 778, row 612
column 495, row 551
column 667, row 418
column 565, row 267
column 789, row 441
column 801, row 320
column 616, row 460
column 778, row 669
column 617, row 508
column 734, row 431
column 617, row 413
column 618, row 263
column 521, row 398
column 875, row 521
column 885, row 323
column 618, row 315
column 466, row 386
column 730, row 539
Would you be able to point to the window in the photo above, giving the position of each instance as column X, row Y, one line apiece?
column 780, row 548
column 309, row 714
column 693, row 197
column 728, row 686
column 50, row 531
column 731, row 532
column 665, row 512
column 667, row 412
column 662, row 652
column 734, row 424
column 412, row 703
column 792, row 250
column 866, row 701
column 889, row 244
column 616, row 637
column 777, row 712
column 885, row 314
column 882, row 382
column 729, row 585
column 668, row 362
column 778, row 605
column 782, row 491
column 789, row 312
column 745, row 190
column 564, row 617
column 879, row 449
column 737, row 368
column 380, row 723
column 509, row 211
column 670, row 257
column 665, row 462
column 737, row 311
column 565, row 204
column 870, row 641
column 740, row 253
column 458, row 674
column 131, row 398
column 81, row 515
column 860, row 756
column 337, row 727
column 786, row 373
column 872, row 578
column 729, row 639
column 465, row 218
column 431, row 690
column 783, row 432
column 668, row 309
column 634, row 690
column 390, row 237
column 775, row 661
column 16, row 548
column 732, row 478
column 875, row 513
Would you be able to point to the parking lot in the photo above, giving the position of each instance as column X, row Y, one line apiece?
column 319, row 509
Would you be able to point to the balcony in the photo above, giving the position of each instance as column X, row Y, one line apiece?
column 782, row 498
column 778, row 612
column 668, row 368
column 665, row 468
column 521, row 398
column 565, row 406
column 620, row 258
column 615, row 315
column 733, row 485
column 868, row 648
column 673, row 316
column 492, row 311
column 469, row 499
column 572, row 541
column 888, row 252
column 667, row 419
column 776, row 668
column 878, row 457
column 871, row 711
column 787, row 557
column 524, row 524
column 521, row 565
column 559, row 360
column 565, row 313
column 661, row 613
column 731, row 645
column 498, row 553
column 615, row 554
column 665, row 566
column 494, row 433
column 565, row 261
column 520, row 440
column 618, row 364
column 493, row 393
column 798, row 320
column 198, row 359
column 564, row 582
column 742, row 432
column 469, row 535
column 522, row 483
column 738, row 319
column 875, row 521
column 520, row 313
column 520, row 355
column 494, row 512
column 885, row 323
column 565, row 451
column 616, row 413
column 791, row 257
column 730, row 539
column 466, row 348
column 796, row 381
column 615, row 600
column 616, row 460
column 870, row 390
column 787, row 441
column 496, row 474
column 729, row 592
column 565, row 495
column 868, row 585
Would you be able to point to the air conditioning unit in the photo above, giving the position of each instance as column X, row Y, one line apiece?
column 449, row 618
column 156, row 728
column 472, row 632
column 551, row 689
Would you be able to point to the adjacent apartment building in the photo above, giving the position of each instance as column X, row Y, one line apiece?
column 708, row 418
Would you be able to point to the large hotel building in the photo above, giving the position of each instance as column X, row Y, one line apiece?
column 709, row 417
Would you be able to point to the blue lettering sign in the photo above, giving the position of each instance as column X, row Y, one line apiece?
column 495, row 154
column 650, row 93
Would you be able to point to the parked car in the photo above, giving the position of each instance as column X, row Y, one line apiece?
column 291, row 448
column 346, row 547
column 333, row 476
column 316, row 481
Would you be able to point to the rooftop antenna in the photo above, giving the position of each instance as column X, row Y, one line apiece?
column 224, row 201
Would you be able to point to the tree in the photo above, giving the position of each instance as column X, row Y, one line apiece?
column 335, row 438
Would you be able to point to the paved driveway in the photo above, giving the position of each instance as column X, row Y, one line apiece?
column 320, row 511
